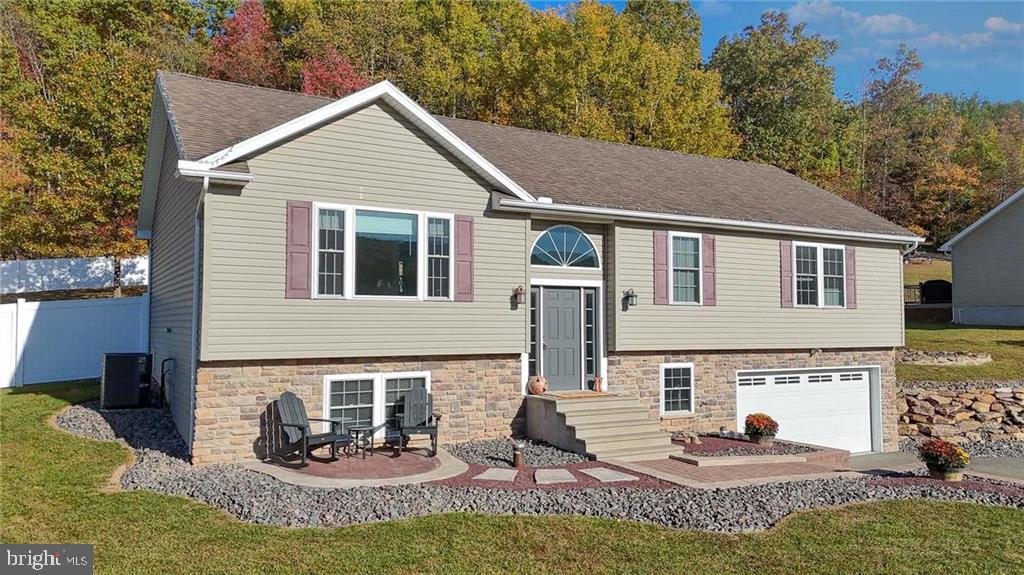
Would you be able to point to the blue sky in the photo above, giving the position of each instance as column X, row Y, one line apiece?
column 966, row 47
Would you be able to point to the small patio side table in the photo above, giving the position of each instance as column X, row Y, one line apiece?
column 362, row 438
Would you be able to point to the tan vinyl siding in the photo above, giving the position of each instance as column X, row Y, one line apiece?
column 172, row 261
column 371, row 158
column 595, row 232
column 988, row 264
column 749, row 314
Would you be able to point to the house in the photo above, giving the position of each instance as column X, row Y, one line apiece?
column 348, row 250
column 988, row 267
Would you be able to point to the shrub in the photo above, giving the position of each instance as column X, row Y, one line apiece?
column 761, row 424
column 943, row 454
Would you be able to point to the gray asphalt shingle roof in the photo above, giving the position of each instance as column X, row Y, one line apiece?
column 210, row 115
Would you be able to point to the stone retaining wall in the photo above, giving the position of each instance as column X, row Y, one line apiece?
column 962, row 413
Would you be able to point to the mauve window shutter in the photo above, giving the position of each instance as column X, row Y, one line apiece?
column 660, row 267
column 786, row 277
column 708, row 261
column 298, row 242
column 463, row 258
column 851, row 277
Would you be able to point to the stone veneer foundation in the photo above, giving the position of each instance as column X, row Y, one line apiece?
column 638, row 373
column 480, row 397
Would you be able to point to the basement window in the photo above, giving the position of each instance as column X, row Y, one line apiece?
column 676, row 389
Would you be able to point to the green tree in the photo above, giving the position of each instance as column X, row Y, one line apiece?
column 780, row 89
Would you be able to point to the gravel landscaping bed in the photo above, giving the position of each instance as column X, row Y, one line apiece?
column 978, row 448
column 498, row 453
column 713, row 446
column 261, row 499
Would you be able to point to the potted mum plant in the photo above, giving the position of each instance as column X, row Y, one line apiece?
column 945, row 461
column 761, row 429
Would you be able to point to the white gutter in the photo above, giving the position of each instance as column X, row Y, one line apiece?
column 189, row 170
column 513, row 205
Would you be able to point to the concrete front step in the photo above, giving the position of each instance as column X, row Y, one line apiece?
column 577, row 405
column 606, row 415
column 603, row 429
column 624, row 441
column 618, row 427
column 621, row 433
column 638, row 454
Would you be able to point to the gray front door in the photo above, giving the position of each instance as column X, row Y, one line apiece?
column 562, row 342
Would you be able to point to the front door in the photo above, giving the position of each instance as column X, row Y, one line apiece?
column 562, row 343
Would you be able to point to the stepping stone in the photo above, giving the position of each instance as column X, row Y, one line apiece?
column 607, row 475
column 498, row 474
column 549, row 476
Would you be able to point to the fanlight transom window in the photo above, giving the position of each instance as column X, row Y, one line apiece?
column 564, row 246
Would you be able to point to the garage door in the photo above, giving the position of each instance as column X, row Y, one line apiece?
column 829, row 407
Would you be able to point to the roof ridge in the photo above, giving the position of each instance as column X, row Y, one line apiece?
column 545, row 132
column 252, row 86
column 609, row 142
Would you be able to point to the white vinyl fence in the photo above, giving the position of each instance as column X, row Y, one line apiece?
column 22, row 276
column 60, row 340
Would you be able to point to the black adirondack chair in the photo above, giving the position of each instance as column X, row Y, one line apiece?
column 294, row 424
column 417, row 418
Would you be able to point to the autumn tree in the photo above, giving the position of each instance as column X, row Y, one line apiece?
column 77, row 81
column 330, row 75
column 248, row 51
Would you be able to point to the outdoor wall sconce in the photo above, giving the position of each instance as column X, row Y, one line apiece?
column 518, row 297
column 519, row 293
column 628, row 298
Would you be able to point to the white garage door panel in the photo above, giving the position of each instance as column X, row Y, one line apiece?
column 824, row 408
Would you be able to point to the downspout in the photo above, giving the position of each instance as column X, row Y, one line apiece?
column 909, row 249
column 197, row 267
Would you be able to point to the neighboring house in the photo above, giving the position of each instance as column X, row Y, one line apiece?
column 988, row 267
column 350, row 249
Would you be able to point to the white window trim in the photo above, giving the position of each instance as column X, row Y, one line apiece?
column 661, row 393
column 700, row 268
column 349, row 264
column 425, row 256
column 821, row 274
column 597, row 253
column 378, row 391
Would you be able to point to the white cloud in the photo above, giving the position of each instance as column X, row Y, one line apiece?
column 875, row 24
column 961, row 42
column 819, row 10
column 1000, row 24
column 881, row 24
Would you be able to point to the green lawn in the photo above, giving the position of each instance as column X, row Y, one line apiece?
column 50, row 492
column 1006, row 345
column 917, row 272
